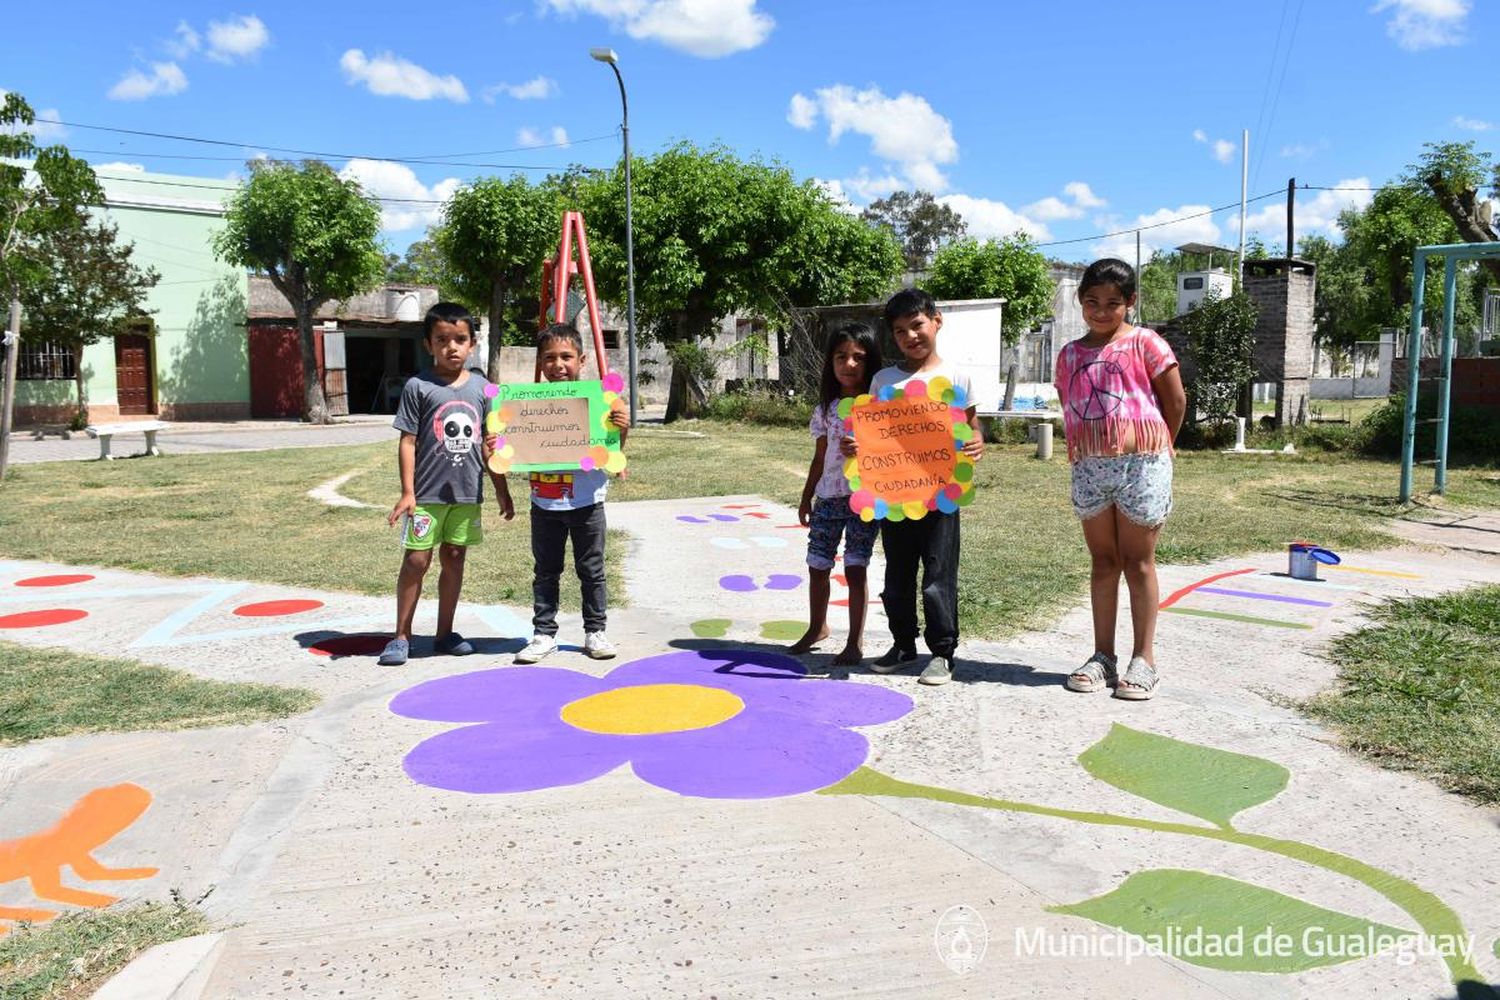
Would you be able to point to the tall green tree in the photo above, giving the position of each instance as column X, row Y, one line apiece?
column 714, row 235
column 1011, row 269
column 1457, row 175
column 86, row 289
column 29, row 209
column 314, row 235
column 919, row 222
column 494, row 236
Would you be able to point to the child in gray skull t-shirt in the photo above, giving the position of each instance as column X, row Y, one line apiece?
column 441, row 420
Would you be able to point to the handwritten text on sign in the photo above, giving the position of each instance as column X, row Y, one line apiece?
column 549, row 432
column 906, row 449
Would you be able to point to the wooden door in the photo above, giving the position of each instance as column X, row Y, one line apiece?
column 133, row 375
column 275, row 372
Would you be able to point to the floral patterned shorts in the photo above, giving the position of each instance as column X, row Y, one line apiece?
column 831, row 518
column 1139, row 485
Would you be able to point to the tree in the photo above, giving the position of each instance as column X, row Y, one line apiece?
column 62, row 186
column 715, row 235
column 919, row 222
column 1455, row 174
column 1011, row 269
column 86, row 289
column 1221, row 342
column 422, row 264
column 494, row 236
column 314, row 235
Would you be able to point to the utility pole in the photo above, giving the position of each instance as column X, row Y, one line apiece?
column 1239, row 271
column 1139, row 297
column 1291, row 204
column 12, row 340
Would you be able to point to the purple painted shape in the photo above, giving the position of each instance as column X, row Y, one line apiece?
column 723, row 517
column 690, row 519
column 783, row 581
column 737, row 583
column 1225, row 592
column 791, row 737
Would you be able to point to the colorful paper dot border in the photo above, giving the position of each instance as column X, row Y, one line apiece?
column 499, row 415
column 946, row 499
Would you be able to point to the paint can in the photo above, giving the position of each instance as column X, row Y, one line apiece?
column 1303, row 559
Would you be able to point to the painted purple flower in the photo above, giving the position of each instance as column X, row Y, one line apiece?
column 718, row 723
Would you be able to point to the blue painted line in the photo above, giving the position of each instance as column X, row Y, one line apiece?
column 1225, row 592
column 283, row 628
column 504, row 621
column 165, row 631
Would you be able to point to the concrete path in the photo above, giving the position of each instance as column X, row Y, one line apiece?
column 386, row 845
column 197, row 437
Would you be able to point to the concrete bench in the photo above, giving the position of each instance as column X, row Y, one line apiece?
column 104, row 432
column 1046, row 418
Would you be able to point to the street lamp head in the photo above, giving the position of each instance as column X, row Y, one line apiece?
column 605, row 55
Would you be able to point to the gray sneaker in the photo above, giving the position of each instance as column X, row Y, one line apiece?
column 596, row 645
column 394, row 654
column 539, row 646
column 939, row 670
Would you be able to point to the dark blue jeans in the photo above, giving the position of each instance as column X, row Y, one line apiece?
column 550, row 531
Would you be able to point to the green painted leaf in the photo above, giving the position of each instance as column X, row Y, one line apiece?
column 1223, row 923
column 1201, row 781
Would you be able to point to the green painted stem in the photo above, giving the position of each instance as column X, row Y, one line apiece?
column 1434, row 916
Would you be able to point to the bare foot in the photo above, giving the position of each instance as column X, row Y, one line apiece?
column 808, row 641
column 850, row 656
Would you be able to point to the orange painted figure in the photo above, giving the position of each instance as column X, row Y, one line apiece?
column 93, row 822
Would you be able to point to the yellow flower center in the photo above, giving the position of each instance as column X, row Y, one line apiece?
column 652, row 708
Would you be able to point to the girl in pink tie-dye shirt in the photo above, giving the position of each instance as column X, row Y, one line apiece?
column 1123, row 404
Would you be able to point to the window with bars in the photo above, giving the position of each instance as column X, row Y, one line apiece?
column 44, row 359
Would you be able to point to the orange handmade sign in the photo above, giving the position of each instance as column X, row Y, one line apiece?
column 909, row 459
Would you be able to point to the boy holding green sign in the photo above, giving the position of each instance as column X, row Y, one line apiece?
column 567, row 505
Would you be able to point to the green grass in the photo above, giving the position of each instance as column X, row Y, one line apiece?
column 1418, row 690
column 51, row 692
column 246, row 515
column 70, row 957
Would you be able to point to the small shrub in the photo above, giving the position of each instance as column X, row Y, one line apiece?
column 759, row 407
column 1473, row 432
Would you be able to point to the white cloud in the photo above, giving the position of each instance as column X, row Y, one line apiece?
column 1177, row 231
column 535, row 89
column 1083, row 195
column 1472, row 124
column 705, row 28
column 384, row 179
column 1425, row 24
column 1313, row 213
column 239, row 38
column 1222, row 149
column 801, row 112
column 42, row 131
column 528, row 136
column 122, row 167
column 388, row 75
column 185, row 43
column 165, row 80
column 987, row 219
column 903, row 130
column 1303, row 150
column 868, row 187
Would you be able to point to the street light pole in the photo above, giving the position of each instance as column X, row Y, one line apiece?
column 608, row 56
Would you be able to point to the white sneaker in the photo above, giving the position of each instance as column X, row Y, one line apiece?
column 539, row 646
column 598, row 646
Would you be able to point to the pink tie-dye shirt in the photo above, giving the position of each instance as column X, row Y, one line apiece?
column 1109, row 407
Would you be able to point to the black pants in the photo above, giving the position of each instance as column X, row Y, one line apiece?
column 550, row 531
column 932, row 543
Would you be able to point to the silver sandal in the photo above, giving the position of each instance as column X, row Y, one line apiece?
column 1097, row 673
column 1142, row 678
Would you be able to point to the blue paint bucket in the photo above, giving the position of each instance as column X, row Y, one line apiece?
column 1303, row 559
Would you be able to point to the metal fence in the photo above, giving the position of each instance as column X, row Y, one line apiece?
column 44, row 359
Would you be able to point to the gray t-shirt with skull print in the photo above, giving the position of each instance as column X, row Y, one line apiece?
column 448, row 422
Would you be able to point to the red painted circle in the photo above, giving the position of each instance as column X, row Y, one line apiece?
column 61, row 580
column 350, row 645
column 36, row 619
column 266, row 609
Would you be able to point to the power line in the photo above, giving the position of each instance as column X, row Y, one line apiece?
column 1276, row 96
column 1157, row 225
column 324, row 154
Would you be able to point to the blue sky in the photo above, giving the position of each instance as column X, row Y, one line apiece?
column 1064, row 121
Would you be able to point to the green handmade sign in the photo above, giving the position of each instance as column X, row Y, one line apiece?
column 554, row 426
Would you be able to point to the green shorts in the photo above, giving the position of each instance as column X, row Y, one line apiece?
column 444, row 523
